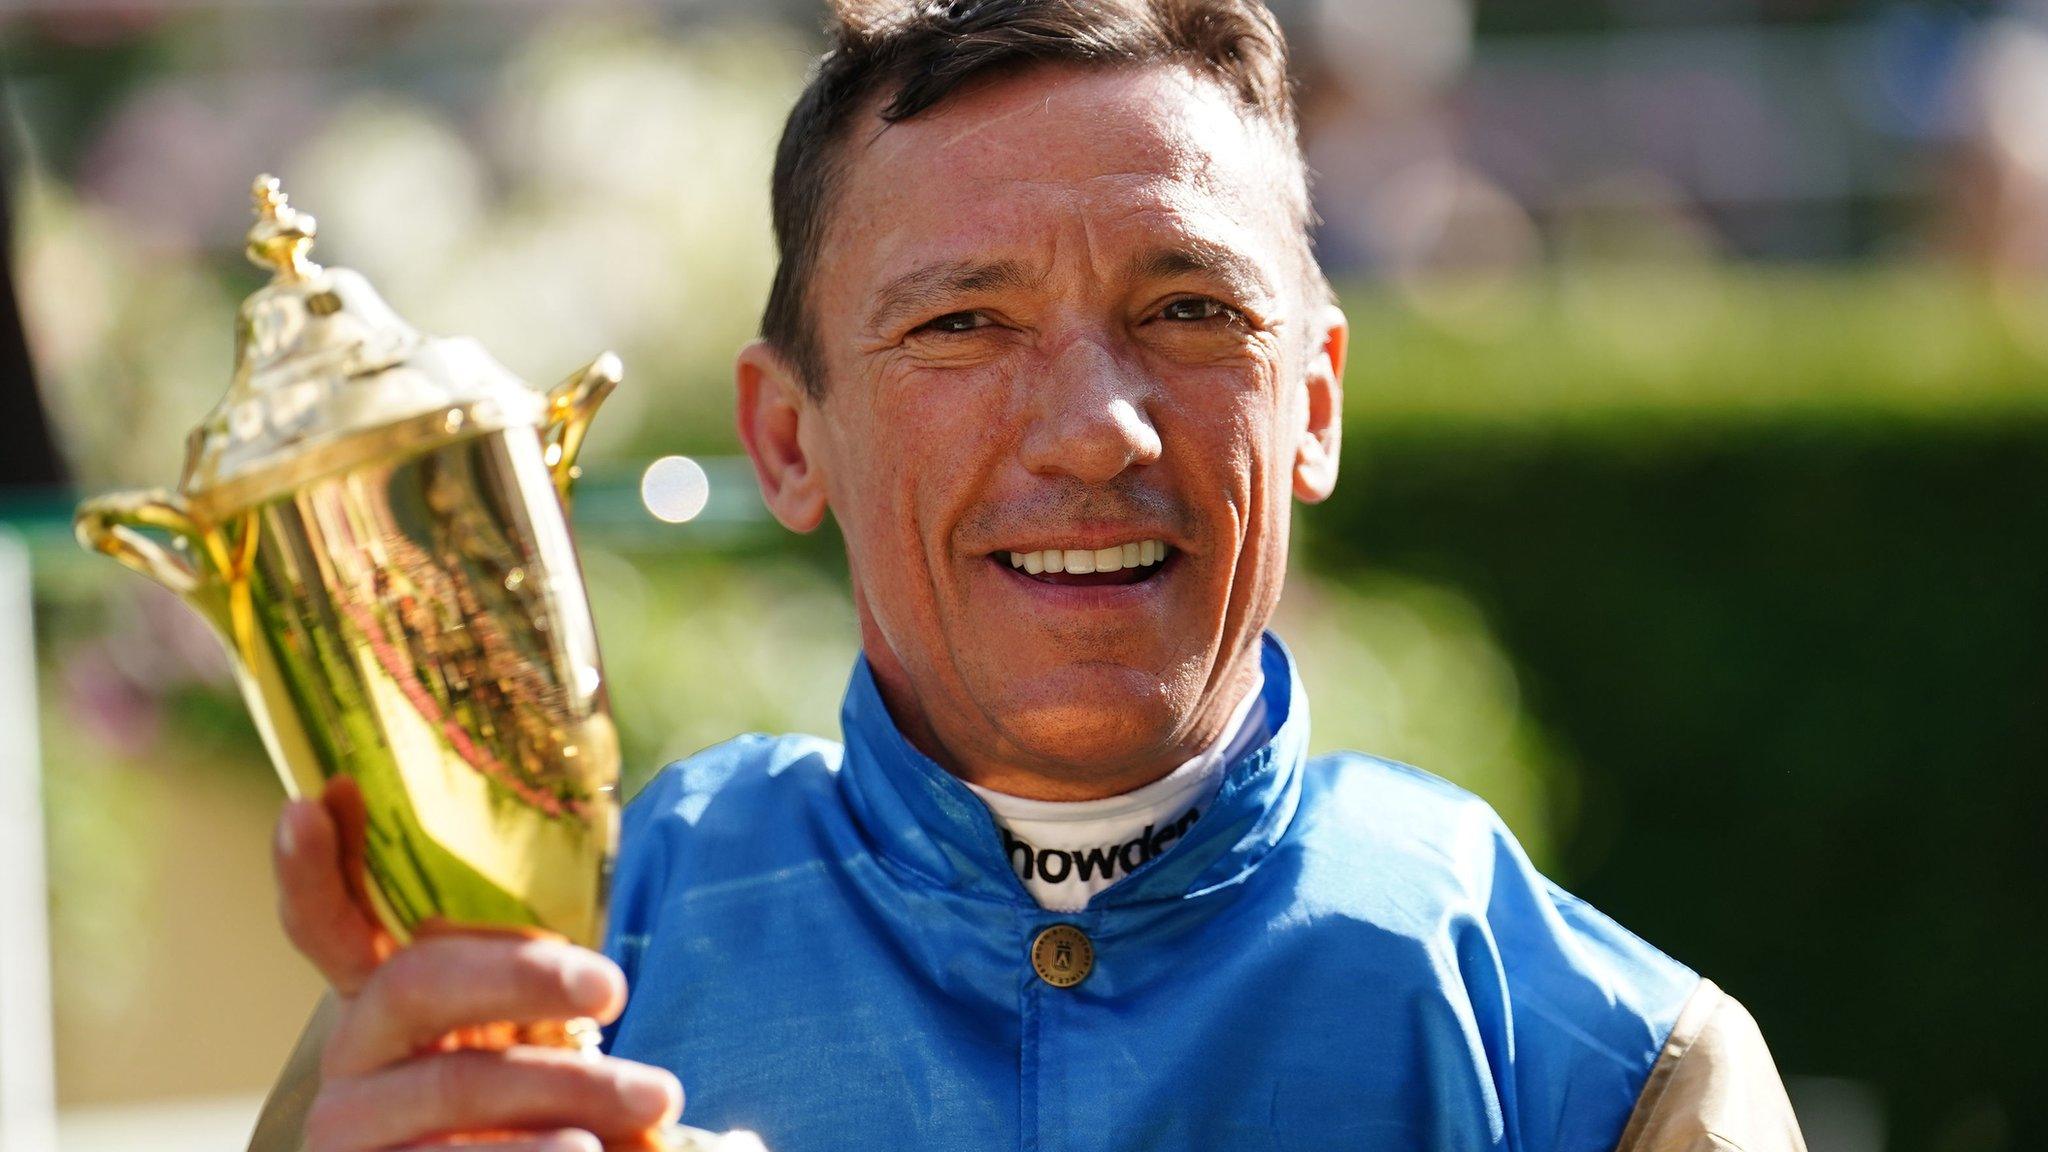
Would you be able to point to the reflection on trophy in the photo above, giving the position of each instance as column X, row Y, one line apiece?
column 373, row 522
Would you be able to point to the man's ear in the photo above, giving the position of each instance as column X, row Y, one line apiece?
column 774, row 415
column 1322, row 431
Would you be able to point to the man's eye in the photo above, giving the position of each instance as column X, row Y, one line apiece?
column 1195, row 308
column 955, row 322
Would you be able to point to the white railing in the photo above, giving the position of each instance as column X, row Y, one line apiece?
column 28, row 1088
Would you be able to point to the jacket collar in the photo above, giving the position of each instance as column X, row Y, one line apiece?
column 921, row 820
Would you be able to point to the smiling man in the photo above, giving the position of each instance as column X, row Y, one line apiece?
column 1049, row 342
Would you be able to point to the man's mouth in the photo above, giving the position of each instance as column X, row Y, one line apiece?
column 1130, row 563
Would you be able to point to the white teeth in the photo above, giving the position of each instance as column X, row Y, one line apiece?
column 1081, row 561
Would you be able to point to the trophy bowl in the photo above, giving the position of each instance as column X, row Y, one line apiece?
column 373, row 522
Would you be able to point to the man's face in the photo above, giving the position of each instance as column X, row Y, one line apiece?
column 1067, row 312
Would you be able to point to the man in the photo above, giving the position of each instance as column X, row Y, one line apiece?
column 1048, row 340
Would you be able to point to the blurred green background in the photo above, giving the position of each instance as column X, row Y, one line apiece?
column 1695, row 507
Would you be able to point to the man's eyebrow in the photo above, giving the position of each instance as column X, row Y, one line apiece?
column 935, row 285
column 1203, row 258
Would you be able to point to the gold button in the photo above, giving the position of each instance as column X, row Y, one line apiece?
column 1063, row 956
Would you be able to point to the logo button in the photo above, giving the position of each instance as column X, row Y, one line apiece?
column 1062, row 956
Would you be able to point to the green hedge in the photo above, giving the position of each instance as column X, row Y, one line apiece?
column 1783, row 608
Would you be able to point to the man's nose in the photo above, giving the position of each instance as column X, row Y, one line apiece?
column 1088, row 417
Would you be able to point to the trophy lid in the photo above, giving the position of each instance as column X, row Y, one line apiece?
column 320, row 360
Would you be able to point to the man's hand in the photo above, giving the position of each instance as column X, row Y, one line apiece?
column 391, row 1074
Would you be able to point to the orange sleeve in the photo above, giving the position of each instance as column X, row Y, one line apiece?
column 1714, row 1087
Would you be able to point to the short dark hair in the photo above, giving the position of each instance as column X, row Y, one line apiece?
column 918, row 52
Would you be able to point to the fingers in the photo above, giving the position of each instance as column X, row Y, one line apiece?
column 390, row 1078
column 444, row 983
column 567, row 1140
column 322, row 919
column 545, row 1089
column 343, row 799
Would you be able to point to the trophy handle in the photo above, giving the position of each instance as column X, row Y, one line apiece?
column 571, row 404
column 109, row 524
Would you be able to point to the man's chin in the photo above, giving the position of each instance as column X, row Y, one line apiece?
column 1092, row 722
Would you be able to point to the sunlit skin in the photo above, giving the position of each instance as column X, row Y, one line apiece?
column 1066, row 308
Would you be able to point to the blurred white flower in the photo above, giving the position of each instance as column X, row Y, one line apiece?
column 396, row 190
column 130, row 350
column 1396, row 44
column 69, row 265
column 2013, row 72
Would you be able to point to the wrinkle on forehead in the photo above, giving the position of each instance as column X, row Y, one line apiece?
column 971, row 130
column 1005, row 165
column 965, row 102
column 979, row 129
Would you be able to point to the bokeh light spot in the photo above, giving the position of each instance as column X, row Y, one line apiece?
column 675, row 489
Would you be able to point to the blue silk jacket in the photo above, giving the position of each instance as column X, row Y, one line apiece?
column 829, row 947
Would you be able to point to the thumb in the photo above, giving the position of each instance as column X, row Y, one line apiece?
column 319, row 888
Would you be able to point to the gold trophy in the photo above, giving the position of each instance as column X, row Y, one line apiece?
column 373, row 521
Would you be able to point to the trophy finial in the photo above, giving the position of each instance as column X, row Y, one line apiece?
column 282, row 235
